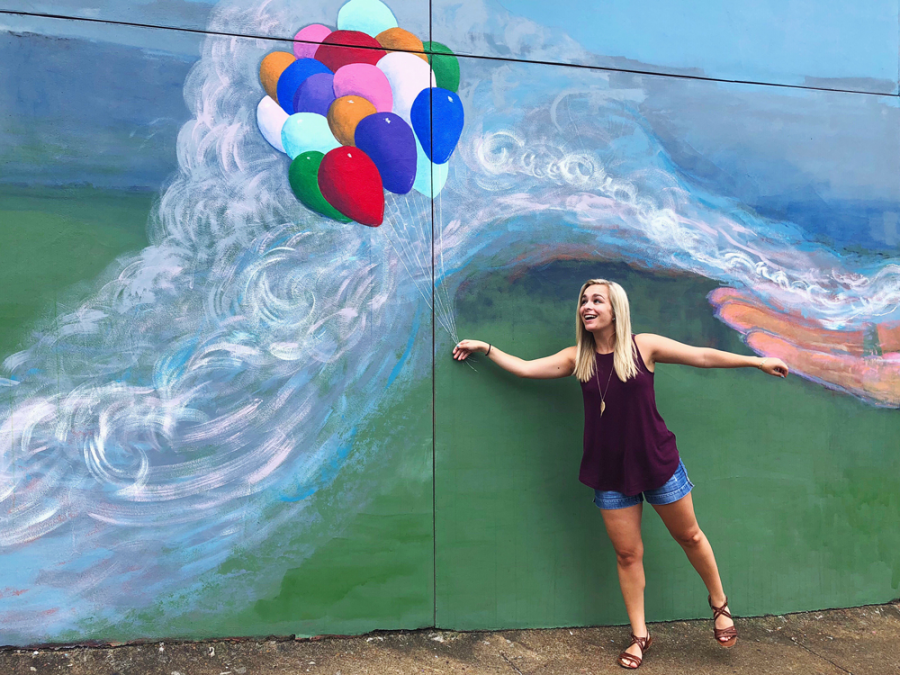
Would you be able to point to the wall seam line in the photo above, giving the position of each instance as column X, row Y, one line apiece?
column 433, row 363
column 611, row 69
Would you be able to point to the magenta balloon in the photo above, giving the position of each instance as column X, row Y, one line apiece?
column 307, row 40
column 366, row 80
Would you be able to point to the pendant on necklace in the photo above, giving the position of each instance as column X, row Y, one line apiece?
column 602, row 407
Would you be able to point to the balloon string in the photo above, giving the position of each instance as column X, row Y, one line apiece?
column 403, row 260
column 448, row 301
column 441, row 299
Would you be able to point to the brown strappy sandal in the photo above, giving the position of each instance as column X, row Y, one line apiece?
column 731, row 632
column 630, row 661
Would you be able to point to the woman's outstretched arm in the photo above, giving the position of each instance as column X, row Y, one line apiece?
column 659, row 349
column 561, row 364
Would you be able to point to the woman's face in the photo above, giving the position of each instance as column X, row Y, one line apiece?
column 596, row 310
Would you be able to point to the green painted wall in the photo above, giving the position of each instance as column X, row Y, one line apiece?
column 796, row 487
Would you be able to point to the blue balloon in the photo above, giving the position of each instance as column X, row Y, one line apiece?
column 390, row 143
column 447, row 110
column 291, row 79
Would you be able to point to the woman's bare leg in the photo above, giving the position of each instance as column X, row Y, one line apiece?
column 681, row 522
column 624, row 529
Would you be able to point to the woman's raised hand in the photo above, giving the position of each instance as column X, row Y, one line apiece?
column 466, row 347
column 772, row 366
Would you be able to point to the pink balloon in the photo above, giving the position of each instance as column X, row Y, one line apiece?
column 308, row 39
column 363, row 79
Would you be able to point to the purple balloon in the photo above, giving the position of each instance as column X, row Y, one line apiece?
column 390, row 143
column 316, row 94
column 293, row 76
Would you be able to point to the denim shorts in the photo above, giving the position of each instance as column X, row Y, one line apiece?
column 674, row 489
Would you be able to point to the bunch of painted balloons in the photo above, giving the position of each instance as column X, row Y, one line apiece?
column 362, row 109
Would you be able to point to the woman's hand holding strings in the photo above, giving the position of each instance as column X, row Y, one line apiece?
column 465, row 348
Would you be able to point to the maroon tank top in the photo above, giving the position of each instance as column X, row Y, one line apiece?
column 629, row 449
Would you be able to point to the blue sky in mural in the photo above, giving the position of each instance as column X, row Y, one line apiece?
column 61, row 128
column 232, row 360
column 743, row 40
column 772, row 166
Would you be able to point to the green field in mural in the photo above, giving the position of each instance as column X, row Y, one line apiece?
column 53, row 240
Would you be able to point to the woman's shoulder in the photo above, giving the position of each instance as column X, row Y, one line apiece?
column 645, row 339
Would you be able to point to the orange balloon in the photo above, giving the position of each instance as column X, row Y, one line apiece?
column 399, row 40
column 271, row 68
column 344, row 114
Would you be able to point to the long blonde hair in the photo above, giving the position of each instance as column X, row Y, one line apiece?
column 624, row 356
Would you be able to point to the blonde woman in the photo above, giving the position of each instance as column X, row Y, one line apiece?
column 629, row 454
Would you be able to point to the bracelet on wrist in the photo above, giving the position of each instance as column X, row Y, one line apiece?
column 488, row 352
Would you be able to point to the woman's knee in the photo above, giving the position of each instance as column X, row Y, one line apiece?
column 690, row 538
column 629, row 556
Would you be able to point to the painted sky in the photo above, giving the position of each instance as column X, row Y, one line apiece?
column 770, row 41
column 765, row 41
column 828, row 167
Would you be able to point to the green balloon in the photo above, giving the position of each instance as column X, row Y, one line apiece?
column 304, row 179
column 444, row 64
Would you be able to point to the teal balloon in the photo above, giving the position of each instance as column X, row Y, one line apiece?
column 367, row 16
column 430, row 177
column 306, row 132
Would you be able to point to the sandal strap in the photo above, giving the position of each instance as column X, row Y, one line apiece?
column 719, row 611
column 729, row 632
column 642, row 642
column 630, row 660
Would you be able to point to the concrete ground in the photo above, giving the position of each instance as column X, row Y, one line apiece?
column 862, row 640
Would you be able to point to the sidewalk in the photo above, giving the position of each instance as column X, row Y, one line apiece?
column 861, row 641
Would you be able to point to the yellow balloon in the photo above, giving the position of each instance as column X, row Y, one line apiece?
column 399, row 40
column 271, row 68
column 344, row 114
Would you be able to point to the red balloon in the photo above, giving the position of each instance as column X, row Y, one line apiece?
column 350, row 182
column 337, row 49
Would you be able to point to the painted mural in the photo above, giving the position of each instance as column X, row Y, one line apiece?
column 187, row 440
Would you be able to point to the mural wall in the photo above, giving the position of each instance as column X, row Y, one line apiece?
column 239, row 241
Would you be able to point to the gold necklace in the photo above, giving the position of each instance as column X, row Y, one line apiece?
column 602, row 396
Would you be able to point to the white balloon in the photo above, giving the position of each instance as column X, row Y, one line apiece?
column 270, row 118
column 408, row 75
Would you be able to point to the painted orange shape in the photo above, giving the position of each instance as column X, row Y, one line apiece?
column 873, row 378
column 745, row 318
column 889, row 336
column 837, row 359
column 271, row 68
column 344, row 114
column 400, row 40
